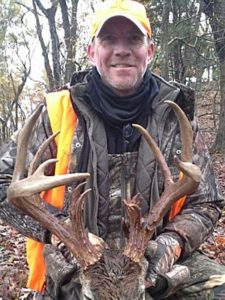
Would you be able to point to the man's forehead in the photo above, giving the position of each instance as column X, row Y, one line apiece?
column 113, row 25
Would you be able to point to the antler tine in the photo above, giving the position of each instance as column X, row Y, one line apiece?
column 157, row 154
column 77, row 242
column 24, row 194
column 186, row 132
column 36, row 181
column 89, row 253
column 22, row 144
column 145, row 227
column 42, row 148
column 76, row 206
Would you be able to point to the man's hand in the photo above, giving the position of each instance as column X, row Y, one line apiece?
column 161, row 255
column 58, row 267
column 62, row 269
column 55, row 241
column 163, row 275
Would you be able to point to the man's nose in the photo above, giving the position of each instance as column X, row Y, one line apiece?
column 122, row 48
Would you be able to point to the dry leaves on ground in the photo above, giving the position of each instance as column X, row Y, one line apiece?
column 13, row 268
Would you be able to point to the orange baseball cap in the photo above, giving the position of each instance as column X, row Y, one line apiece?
column 132, row 10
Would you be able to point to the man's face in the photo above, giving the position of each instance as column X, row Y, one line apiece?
column 121, row 54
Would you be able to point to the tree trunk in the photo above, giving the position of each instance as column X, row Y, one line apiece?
column 219, row 144
column 55, row 49
column 50, row 15
column 70, row 34
column 44, row 49
column 164, row 53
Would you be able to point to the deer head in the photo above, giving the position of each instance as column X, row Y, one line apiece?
column 104, row 273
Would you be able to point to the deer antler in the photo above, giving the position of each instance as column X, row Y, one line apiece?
column 24, row 194
column 142, row 229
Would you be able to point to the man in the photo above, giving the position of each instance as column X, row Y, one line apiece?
column 95, row 117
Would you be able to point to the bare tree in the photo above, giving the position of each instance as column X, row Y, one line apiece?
column 70, row 36
column 50, row 14
column 15, row 70
column 215, row 10
column 164, row 46
column 63, row 52
column 44, row 48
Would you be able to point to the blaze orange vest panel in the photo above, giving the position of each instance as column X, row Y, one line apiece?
column 177, row 206
column 63, row 118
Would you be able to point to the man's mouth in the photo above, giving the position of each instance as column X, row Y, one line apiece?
column 122, row 65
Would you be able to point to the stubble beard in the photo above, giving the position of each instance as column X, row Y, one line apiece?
column 124, row 87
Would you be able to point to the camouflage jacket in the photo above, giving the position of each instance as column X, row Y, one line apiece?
column 89, row 150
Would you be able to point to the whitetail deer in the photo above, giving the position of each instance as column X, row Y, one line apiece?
column 104, row 273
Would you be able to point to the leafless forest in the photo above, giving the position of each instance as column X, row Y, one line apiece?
column 43, row 42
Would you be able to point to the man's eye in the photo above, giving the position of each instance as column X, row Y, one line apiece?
column 108, row 39
column 136, row 39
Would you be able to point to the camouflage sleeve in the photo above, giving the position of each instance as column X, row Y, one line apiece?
column 202, row 208
column 24, row 224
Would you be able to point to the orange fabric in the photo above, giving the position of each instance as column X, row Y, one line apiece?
column 177, row 206
column 63, row 118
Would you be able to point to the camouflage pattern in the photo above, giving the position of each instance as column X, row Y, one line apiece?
column 162, row 254
column 202, row 208
column 207, row 280
column 118, row 165
column 24, row 224
column 201, row 211
column 199, row 214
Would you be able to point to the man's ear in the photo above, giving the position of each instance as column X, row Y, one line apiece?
column 91, row 53
column 151, row 51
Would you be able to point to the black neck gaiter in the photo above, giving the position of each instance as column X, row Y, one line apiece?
column 118, row 113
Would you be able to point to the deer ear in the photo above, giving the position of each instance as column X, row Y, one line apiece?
column 97, row 241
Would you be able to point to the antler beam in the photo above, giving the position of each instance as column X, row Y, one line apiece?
column 24, row 194
column 142, row 229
